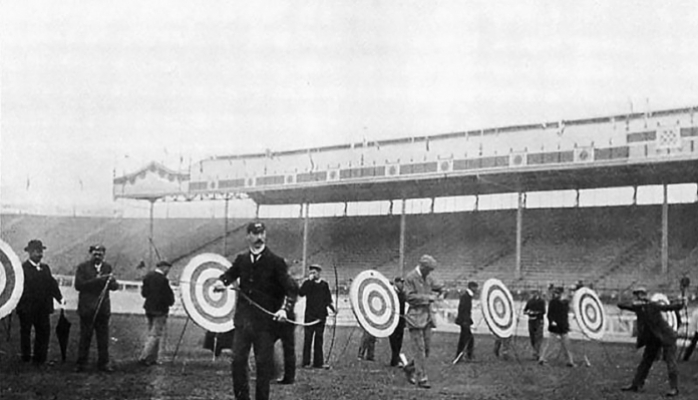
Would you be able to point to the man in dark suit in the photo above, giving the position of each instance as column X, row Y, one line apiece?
column 654, row 334
column 94, row 280
column 559, row 326
column 399, row 332
column 318, row 300
column 158, row 299
column 36, row 304
column 265, row 288
column 286, row 332
column 466, row 341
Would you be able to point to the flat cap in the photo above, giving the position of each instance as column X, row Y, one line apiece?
column 427, row 261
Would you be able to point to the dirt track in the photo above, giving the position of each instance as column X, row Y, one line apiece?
column 195, row 375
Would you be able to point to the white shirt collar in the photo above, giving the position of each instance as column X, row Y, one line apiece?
column 470, row 292
column 38, row 266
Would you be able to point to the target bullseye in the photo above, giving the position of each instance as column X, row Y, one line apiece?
column 11, row 279
column 374, row 303
column 498, row 308
column 208, row 308
column 590, row 313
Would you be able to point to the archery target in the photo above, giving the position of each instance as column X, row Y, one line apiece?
column 11, row 279
column 590, row 313
column 210, row 310
column 498, row 308
column 374, row 303
column 669, row 316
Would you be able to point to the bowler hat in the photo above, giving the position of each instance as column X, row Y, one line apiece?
column 315, row 267
column 34, row 244
column 163, row 264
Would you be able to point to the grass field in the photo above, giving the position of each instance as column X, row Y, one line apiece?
column 194, row 374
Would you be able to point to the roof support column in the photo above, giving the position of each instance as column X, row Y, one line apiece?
column 403, row 222
column 225, row 226
column 665, row 232
column 304, row 211
column 151, row 238
column 519, row 230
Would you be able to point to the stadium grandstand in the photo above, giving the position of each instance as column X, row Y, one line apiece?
column 609, row 201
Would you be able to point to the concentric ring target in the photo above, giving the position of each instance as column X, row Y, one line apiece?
column 374, row 303
column 498, row 308
column 210, row 310
column 11, row 279
column 669, row 316
column 590, row 313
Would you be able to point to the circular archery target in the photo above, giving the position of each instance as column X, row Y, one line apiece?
column 590, row 313
column 669, row 316
column 209, row 309
column 498, row 308
column 11, row 279
column 374, row 303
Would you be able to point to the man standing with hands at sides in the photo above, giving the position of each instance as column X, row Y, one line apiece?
column 559, row 325
column 158, row 299
column 36, row 304
column 397, row 335
column 267, row 294
column 654, row 334
column 318, row 299
column 466, row 341
column 421, row 291
column 94, row 280
column 535, row 309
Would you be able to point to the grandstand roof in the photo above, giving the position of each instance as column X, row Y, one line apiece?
column 613, row 174
column 634, row 150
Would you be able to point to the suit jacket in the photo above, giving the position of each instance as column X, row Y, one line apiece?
column 157, row 293
column 465, row 307
column 559, row 316
column 40, row 288
column 90, row 285
column 318, row 298
column 651, row 325
column 418, row 290
column 266, row 282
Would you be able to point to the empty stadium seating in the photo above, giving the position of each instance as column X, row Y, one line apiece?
column 608, row 247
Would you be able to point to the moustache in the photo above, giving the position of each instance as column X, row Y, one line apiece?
column 259, row 241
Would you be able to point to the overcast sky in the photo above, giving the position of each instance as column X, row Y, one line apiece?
column 88, row 87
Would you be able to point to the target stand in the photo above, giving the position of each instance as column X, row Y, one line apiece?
column 374, row 303
column 669, row 316
column 11, row 279
column 210, row 309
column 590, row 313
column 498, row 308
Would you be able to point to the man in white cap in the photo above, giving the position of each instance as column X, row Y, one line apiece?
column 318, row 301
column 421, row 291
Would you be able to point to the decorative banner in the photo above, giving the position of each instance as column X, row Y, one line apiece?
column 210, row 310
column 590, row 313
column 670, row 316
column 498, row 308
column 11, row 279
column 375, row 303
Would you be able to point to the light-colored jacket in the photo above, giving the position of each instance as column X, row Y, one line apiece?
column 418, row 291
